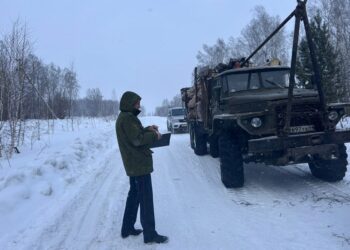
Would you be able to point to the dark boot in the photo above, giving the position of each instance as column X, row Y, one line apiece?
column 131, row 232
column 157, row 238
column 130, row 213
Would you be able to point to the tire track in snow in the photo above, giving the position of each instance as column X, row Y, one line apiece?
column 208, row 169
column 193, row 189
column 264, row 185
column 84, row 217
column 196, row 193
column 341, row 186
column 320, row 190
column 86, row 223
column 271, row 196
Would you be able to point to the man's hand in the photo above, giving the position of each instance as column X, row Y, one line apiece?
column 153, row 128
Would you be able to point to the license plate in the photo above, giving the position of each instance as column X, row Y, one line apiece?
column 302, row 129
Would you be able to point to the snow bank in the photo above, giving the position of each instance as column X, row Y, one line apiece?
column 47, row 168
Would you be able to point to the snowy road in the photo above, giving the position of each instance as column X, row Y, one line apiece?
column 278, row 208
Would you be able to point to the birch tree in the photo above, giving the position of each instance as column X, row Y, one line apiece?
column 256, row 32
column 213, row 55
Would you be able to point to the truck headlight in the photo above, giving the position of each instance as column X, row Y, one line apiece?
column 333, row 115
column 256, row 122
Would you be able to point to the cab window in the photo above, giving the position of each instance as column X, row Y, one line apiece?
column 237, row 82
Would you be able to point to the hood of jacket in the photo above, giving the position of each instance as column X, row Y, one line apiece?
column 128, row 100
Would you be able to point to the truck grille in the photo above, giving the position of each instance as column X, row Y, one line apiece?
column 301, row 115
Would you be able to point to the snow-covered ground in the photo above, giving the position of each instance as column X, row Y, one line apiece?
column 69, row 191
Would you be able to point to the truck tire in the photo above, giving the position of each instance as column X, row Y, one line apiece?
column 199, row 141
column 231, row 163
column 330, row 170
column 214, row 147
column 190, row 128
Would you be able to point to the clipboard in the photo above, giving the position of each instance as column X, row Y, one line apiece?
column 164, row 141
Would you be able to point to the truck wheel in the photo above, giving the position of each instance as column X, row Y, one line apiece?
column 330, row 170
column 214, row 147
column 199, row 142
column 231, row 163
column 191, row 136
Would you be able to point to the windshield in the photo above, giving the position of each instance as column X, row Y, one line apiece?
column 177, row 112
column 257, row 80
column 273, row 79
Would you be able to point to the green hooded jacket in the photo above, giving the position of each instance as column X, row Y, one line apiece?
column 134, row 140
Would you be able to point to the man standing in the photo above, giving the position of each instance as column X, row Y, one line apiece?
column 134, row 144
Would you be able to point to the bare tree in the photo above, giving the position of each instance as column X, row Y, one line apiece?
column 252, row 36
column 235, row 48
column 71, row 87
column 166, row 104
column 255, row 33
column 94, row 101
column 213, row 55
column 15, row 50
column 176, row 101
column 162, row 110
column 29, row 89
column 115, row 100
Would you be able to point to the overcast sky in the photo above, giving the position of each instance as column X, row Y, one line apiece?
column 146, row 46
